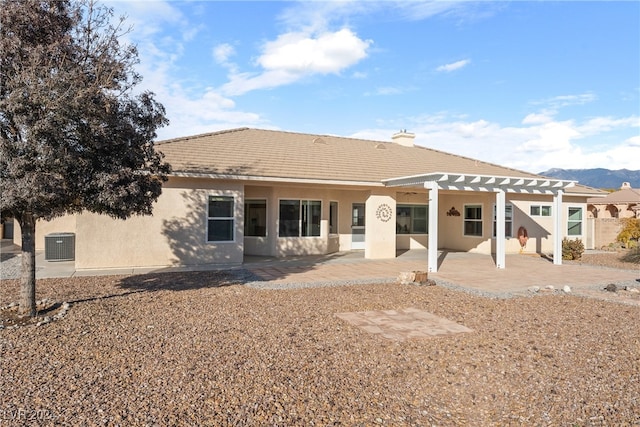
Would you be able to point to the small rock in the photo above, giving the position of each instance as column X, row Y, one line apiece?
column 550, row 288
column 611, row 287
column 413, row 277
column 634, row 290
column 533, row 289
column 566, row 289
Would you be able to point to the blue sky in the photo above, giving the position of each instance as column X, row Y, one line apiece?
column 530, row 85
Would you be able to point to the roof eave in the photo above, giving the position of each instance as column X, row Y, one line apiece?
column 254, row 178
column 475, row 182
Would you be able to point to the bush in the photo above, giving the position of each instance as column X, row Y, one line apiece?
column 572, row 249
column 630, row 232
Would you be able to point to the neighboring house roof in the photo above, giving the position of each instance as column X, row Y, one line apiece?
column 626, row 195
column 251, row 153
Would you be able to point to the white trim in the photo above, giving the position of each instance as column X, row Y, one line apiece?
column 337, row 233
column 505, row 219
column 488, row 183
column 558, row 233
column 299, row 236
column 582, row 219
column 432, row 237
column 276, row 179
column 222, row 218
column 412, row 205
column 500, row 228
column 266, row 214
column 481, row 221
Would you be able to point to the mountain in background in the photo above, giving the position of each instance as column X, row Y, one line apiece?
column 597, row 178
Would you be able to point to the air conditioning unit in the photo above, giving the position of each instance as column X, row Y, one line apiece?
column 60, row 247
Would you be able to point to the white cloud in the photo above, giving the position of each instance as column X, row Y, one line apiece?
column 597, row 125
column 537, row 145
column 634, row 141
column 160, row 31
column 560, row 101
column 294, row 56
column 538, row 118
column 454, row 66
column 222, row 52
column 388, row 90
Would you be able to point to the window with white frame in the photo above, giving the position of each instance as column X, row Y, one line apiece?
column 540, row 210
column 574, row 222
column 412, row 219
column 508, row 220
column 255, row 218
column 220, row 219
column 299, row 218
column 333, row 217
column 473, row 220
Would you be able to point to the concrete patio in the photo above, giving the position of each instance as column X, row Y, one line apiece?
column 466, row 270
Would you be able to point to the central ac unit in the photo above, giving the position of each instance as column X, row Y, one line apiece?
column 60, row 247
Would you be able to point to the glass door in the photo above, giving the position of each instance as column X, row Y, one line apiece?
column 357, row 225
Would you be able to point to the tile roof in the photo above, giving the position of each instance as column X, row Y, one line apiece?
column 248, row 152
column 626, row 195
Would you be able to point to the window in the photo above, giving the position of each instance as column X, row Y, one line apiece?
column 333, row 217
column 574, row 223
column 473, row 220
column 411, row 219
column 220, row 221
column 540, row 210
column 299, row 218
column 255, row 218
column 508, row 220
column 357, row 215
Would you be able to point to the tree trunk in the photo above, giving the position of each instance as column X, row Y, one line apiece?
column 28, row 282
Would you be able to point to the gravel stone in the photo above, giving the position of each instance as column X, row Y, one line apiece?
column 223, row 349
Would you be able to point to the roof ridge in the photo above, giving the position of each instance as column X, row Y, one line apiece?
column 201, row 135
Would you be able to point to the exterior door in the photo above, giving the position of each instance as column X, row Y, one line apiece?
column 357, row 225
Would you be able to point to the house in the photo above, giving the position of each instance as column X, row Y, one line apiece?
column 606, row 213
column 273, row 193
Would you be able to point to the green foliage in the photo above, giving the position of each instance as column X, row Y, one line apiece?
column 572, row 249
column 630, row 232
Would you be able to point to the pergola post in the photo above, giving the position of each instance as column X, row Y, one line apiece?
column 557, row 228
column 432, row 249
column 500, row 229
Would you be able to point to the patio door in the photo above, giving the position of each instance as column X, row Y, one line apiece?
column 357, row 225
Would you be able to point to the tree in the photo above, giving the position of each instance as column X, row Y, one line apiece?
column 74, row 135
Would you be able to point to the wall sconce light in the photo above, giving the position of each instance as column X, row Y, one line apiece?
column 453, row 212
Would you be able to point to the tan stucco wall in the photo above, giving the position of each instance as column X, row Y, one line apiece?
column 380, row 234
column 176, row 233
column 64, row 224
column 606, row 230
column 272, row 245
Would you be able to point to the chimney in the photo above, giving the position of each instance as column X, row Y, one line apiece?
column 625, row 185
column 403, row 138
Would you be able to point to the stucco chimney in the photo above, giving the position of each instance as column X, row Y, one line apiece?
column 625, row 185
column 404, row 138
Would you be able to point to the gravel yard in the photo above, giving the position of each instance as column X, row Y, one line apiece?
column 197, row 349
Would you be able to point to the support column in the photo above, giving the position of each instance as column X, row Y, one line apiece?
column 380, row 227
column 500, row 231
column 558, row 233
column 432, row 245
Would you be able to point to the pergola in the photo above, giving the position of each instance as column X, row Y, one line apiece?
column 500, row 185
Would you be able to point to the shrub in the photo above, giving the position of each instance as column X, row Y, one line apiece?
column 572, row 249
column 630, row 232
